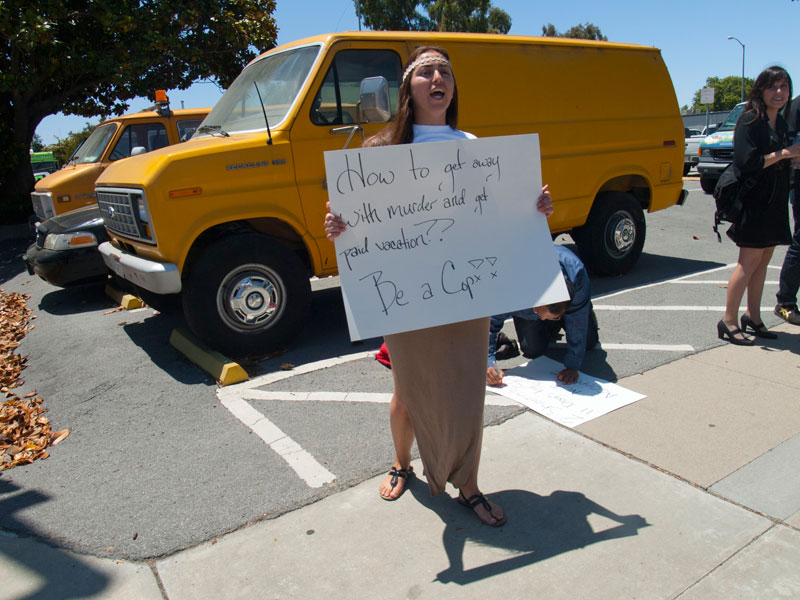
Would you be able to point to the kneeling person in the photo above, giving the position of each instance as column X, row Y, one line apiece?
column 537, row 327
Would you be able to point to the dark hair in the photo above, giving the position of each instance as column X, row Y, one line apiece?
column 401, row 129
column 767, row 77
column 559, row 308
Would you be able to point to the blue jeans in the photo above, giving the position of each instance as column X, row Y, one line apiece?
column 790, row 272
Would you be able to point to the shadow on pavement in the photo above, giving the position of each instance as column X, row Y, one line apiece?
column 11, row 263
column 539, row 527
column 324, row 335
column 152, row 336
column 59, row 574
column 651, row 268
column 75, row 300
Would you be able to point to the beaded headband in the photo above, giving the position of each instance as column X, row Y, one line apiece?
column 425, row 60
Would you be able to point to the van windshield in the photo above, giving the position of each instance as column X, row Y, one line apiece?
column 733, row 116
column 92, row 149
column 279, row 78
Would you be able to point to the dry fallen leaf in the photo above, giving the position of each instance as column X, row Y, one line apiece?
column 287, row 367
column 25, row 432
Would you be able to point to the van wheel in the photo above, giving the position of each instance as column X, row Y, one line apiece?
column 612, row 239
column 686, row 168
column 246, row 295
column 708, row 184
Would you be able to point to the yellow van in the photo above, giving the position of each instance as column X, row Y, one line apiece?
column 233, row 219
column 72, row 186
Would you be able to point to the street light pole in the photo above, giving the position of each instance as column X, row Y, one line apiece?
column 730, row 37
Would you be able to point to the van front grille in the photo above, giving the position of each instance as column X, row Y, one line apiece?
column 119, row 210
column 43, row 205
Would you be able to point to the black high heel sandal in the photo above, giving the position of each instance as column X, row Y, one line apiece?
column 722, row 331
column 758, row 330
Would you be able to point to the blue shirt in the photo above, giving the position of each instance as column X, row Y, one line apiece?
column 575, row 319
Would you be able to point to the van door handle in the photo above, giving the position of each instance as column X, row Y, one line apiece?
column 351, row 129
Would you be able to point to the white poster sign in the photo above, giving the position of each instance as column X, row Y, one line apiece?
column 534, row 385
column 440, row 232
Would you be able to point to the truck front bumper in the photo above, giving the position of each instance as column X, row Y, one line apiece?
column 160, row 278
column 713, row 169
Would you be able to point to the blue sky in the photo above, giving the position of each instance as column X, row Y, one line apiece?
column 692, row 36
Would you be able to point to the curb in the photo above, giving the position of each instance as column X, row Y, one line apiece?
column 126, row 301
column 221, row 368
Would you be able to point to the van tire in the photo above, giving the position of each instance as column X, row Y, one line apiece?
column 686, row 168
column 708, row 184
column 611, row 241
column 246, row 295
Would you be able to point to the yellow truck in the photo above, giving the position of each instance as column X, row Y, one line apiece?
column 72, row 186
column 233, row 219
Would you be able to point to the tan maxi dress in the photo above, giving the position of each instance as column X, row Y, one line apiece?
column 440, row 374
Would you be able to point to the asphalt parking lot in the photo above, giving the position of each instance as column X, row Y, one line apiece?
column 157, row 461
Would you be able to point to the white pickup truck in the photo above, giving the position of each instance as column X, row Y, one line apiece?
column 691, row 152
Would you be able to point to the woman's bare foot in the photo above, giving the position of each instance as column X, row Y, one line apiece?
column 488, row 512
column 395, row 483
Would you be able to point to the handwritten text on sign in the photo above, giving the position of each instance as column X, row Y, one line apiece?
column 440, row 232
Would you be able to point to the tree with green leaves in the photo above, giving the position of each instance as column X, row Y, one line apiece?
column 393, row 15
column 88, row 57
column 36, row 143
column 587, row 31
column 64, row 147
column 727, row 92
column 476, row 16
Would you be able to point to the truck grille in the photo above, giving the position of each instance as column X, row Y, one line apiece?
column 43, row 205
column 119, row 209
column 722, row 154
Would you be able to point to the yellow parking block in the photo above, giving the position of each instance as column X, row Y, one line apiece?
column 224, row 370
column 126, row 301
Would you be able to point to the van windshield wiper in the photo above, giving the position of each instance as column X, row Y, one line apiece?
column 213, row 130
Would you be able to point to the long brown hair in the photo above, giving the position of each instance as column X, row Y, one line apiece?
column 767, row 77
column 401, row 129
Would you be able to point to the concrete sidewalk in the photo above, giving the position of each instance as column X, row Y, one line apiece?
column 693, row 492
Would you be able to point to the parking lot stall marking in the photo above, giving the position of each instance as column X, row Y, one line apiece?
column 305, row 465
column 654, row 347
column 662, row 282
column 235, row 390
column 718, row 282
column 376, row 398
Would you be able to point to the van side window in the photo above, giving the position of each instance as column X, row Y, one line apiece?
column 150, row 135
column 187, row 127
column 335, row 103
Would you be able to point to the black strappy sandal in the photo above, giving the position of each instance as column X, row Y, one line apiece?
column 396, row 474
column 474, row 501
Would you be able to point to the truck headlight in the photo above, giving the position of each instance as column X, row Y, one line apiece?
column 705, row 151
column 69, row 241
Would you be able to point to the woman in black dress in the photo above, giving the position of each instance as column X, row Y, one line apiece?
column 760, row 159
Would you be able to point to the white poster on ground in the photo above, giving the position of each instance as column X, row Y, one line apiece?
column 440, row 232
column 534, row 385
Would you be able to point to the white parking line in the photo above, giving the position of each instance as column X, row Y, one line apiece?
column 305, row 465
column 235, row 397
column 717, row 282
column 654, row 347
column 377, row 398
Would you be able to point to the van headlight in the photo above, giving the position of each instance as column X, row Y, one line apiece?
column 144, row 213
column 70, row 241
column 705, row 151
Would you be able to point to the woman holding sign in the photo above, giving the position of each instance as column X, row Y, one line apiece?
column 439, row 372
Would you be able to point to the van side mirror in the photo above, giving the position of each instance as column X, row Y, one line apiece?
column 374, row 100
column 138, row 150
